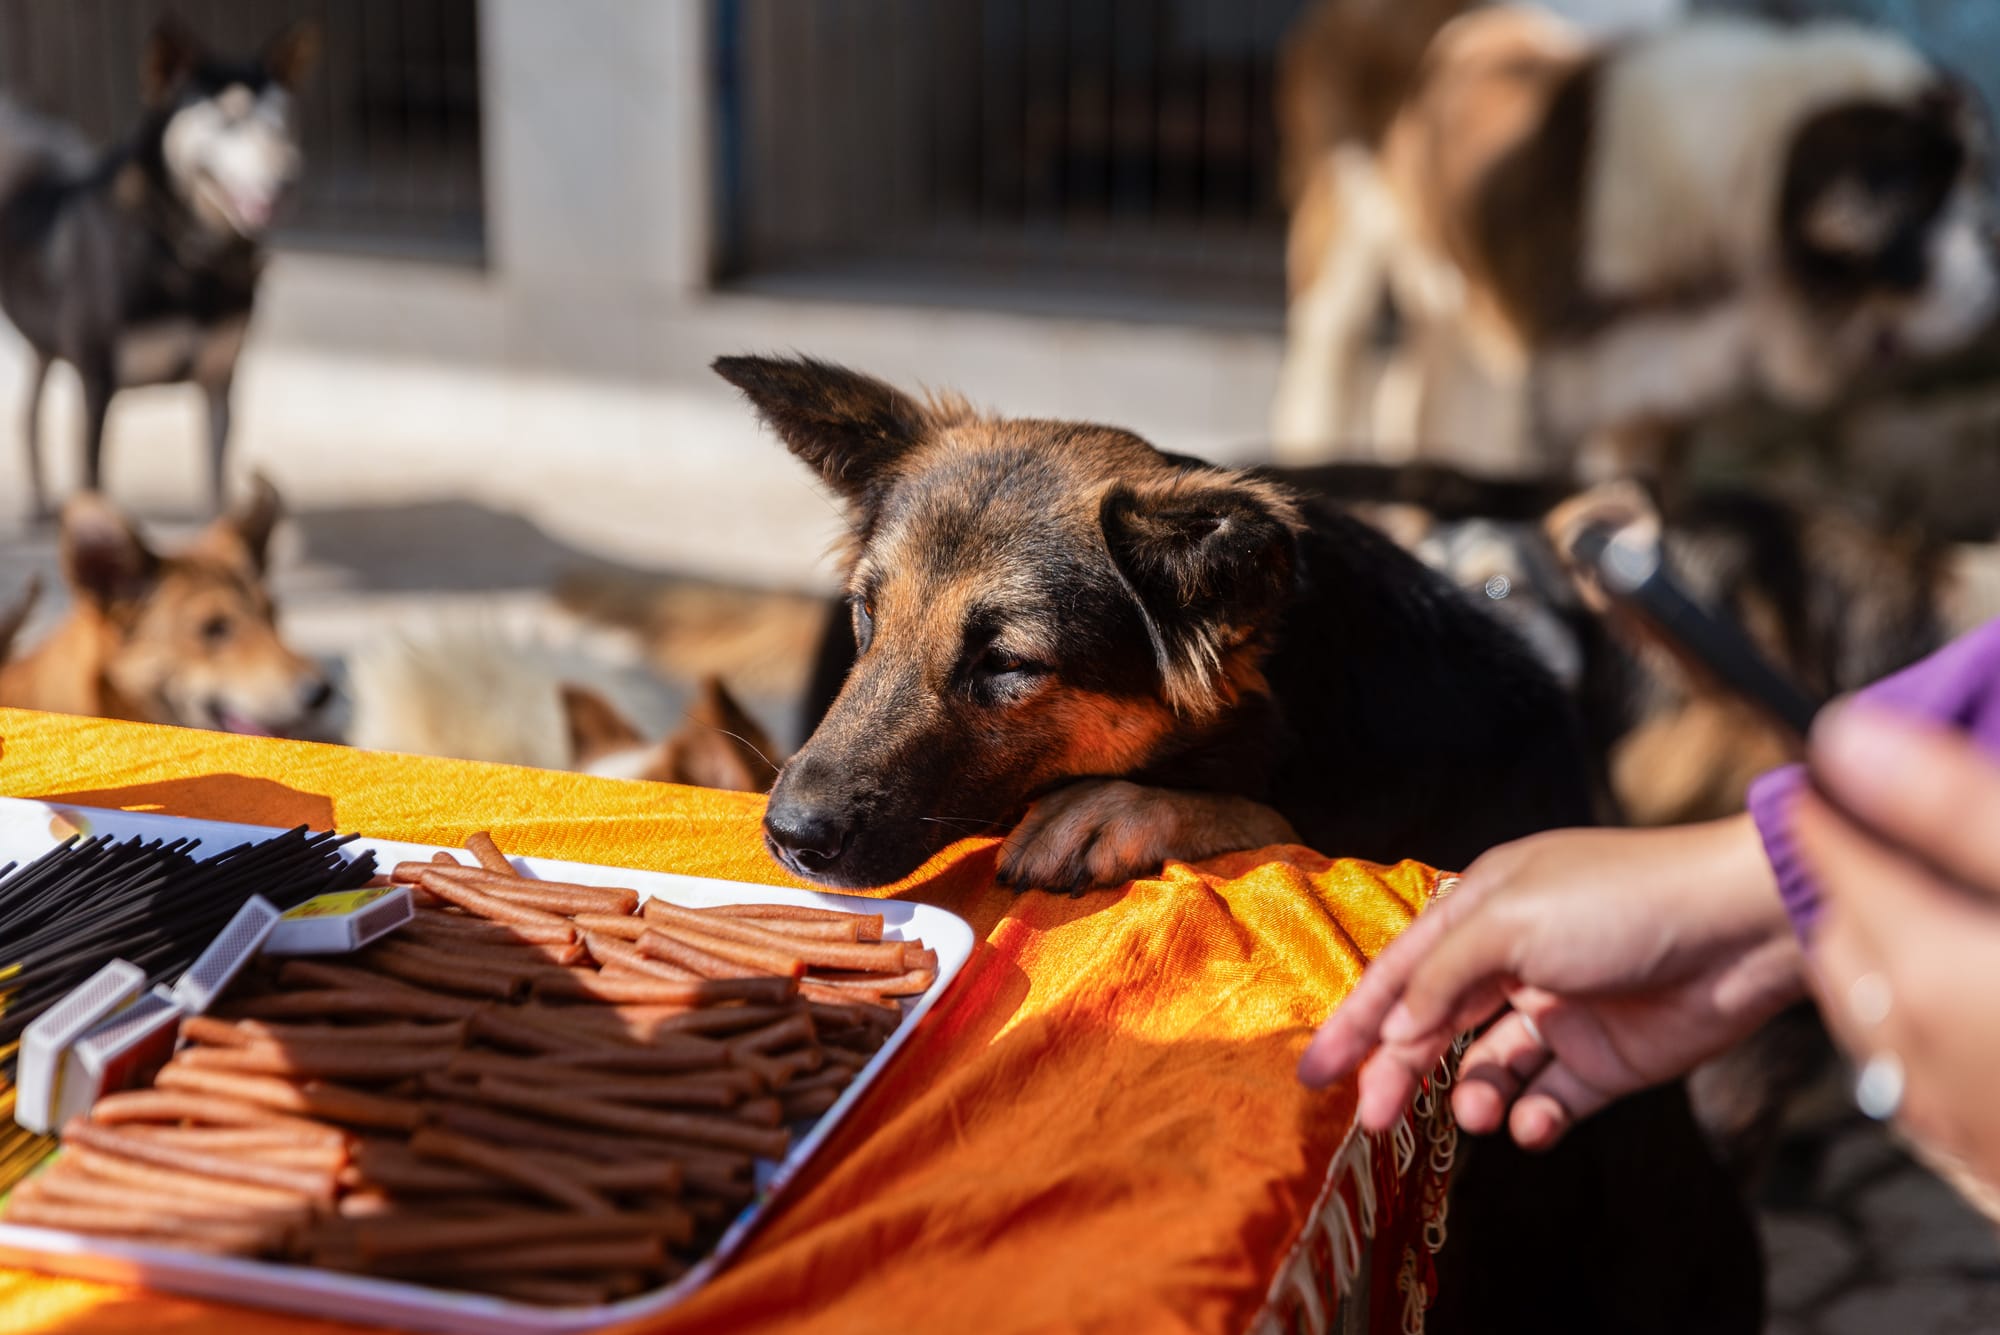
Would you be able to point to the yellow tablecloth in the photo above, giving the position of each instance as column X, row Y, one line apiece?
column 1098, row 1128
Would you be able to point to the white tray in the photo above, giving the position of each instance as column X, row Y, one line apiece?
column 25, row 831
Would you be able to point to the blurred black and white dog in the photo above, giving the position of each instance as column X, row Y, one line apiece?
column 138, row 265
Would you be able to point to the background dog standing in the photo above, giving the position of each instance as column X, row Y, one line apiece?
column 139, row 265
column 1616, row 238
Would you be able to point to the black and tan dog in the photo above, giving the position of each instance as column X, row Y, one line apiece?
column 139, row 265
column 1134, row 657
column 1127, row 657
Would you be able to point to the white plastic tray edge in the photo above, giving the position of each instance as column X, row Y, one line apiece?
column 25, row 832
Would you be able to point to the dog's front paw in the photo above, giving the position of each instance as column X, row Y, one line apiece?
column 1106, row 831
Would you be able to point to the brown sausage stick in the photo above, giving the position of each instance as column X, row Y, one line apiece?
column 494, row 950
column 379, row 999
column 333, row 1102
column 70, row 1185
column 727, row 1133
column 875, row 957
column 705, row 1072
column 200, row 1235
column 565, row 896
column 850, row 994
column 809, row 1103
column 391, row 1239
column 667, row 1055
column 244, row 1033
column 455, row 924
column 622, row 925
column 522, row 1027
column 482, row 847
column 431, row 1143
column 415, row 964
column 812, row 929
column 353, row 1061
column 718, row 957
column 582, row 983
column 392, row 1166
column 612, row 953
column 250, row 1139
column 438, row 882
column 706, row 1168
column 909, row 983
column 869, row 924
column 319, row 1158
column 550, row 896
column 161, row 1105
column 153, row 1178
column 314, row 1185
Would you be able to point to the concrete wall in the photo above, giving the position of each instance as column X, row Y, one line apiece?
column 567, row 378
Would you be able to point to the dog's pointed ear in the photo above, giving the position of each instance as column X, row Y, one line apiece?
column 241, row 536
column 104, row 560
column 850, row 427
column 719, row 745
column 172, row 51
column 15, row 616
column 290, row 56
column 1209, row 563
column 596, row 727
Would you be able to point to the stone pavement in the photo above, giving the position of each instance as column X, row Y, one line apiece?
column 1860, row 1239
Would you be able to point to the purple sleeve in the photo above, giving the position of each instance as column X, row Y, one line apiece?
column 1958, row 685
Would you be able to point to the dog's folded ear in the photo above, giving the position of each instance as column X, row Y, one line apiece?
column 596, row 727
column 242, row 535
column 719, row 745
column 290, row 56
column 1209, row 563
column 852, row 428
column 104, row 560
column 15, row 615
column 172, row 51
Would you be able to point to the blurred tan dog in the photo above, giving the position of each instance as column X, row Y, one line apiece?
column 1616, row 238
column 189, row 638
column 471, row 694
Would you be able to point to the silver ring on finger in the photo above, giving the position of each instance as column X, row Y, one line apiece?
column 1534, row 1030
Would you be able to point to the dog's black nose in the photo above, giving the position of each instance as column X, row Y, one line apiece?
column 315, row 694
column 811, row 839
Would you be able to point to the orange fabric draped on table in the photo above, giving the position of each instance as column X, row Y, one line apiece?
column 1098, row 1127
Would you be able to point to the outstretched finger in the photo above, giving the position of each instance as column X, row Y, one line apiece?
column 1554, row 1101
column 1463, row 968
column 1494, row 1070
column 1355, row 1026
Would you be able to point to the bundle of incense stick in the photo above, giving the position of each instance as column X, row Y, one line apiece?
column 153, row 902
column 538, row 1090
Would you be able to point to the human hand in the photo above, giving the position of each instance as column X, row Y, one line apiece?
column 1907, row 957
column 1629, row 956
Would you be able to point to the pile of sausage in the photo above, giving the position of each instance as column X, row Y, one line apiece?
column 538, row 1090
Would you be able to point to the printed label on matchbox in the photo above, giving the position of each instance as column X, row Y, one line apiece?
column 347, row 901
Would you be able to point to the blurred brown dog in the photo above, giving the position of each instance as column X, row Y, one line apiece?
column 1620, row 235
column 188, row 638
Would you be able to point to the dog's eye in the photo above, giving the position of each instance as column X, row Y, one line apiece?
column 999, row 662
column 864, row 623
column 216, row 629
